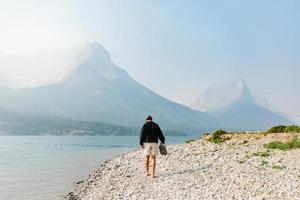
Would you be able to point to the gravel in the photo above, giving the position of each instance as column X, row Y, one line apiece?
column 201, row 170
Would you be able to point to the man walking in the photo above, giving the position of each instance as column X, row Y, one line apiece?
column 150, row 133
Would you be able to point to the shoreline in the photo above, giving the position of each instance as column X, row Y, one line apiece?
column 239, row 168
column 112, row 153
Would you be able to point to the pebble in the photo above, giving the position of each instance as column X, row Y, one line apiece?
column 199, row 170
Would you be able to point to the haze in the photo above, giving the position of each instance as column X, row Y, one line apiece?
column 176, row 48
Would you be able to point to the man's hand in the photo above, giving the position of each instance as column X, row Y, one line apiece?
column 142, row 146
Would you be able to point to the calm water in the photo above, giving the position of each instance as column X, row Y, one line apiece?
column 46, row 167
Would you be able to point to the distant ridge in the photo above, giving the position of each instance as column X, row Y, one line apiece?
column 234, row 107
column 18, row 123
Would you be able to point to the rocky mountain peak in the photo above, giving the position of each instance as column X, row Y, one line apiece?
column 94, row 62
column 222, row 94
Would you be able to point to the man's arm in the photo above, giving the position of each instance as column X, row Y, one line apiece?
column 160, row 135
column 142, row 136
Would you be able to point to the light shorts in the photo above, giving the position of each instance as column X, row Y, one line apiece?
column 151, row 149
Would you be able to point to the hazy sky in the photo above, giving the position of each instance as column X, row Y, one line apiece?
column 177, row 48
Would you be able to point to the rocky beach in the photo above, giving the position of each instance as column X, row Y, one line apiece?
column 240, row 167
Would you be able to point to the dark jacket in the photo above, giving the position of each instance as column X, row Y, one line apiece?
column 151, row 132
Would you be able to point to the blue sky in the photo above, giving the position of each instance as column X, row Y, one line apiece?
column 177, row 48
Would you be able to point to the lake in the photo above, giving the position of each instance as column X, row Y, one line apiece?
column 47, row 167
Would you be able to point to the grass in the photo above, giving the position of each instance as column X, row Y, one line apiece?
column 292, row 144
column 262, row 154
column 189, row 141
column 264, row 162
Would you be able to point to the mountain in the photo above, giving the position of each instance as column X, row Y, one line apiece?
column 222, row 94
column 233, row 106
column 97, row 90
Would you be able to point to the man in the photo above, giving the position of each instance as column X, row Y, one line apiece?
column 150, row 133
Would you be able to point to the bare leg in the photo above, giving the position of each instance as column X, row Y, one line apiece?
column 153, row 161
column 147, row 165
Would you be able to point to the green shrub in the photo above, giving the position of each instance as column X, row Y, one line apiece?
column 264, row 162
column 277, row 129
column 277, row 167
column 241, row 161
column 277, row 145
column 292, row 128
column 247, row 156
column 217, row 136
column 204, row 135
column 218, row 133
column 190, row 141
column 262, row 154
column 245, row 142
column 284, row 129
column 292, row 144
column 265, row 133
